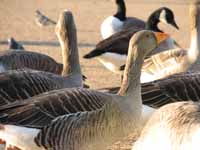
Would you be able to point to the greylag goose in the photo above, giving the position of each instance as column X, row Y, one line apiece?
column 182, row 86
column 174, row 126
column 107, row 118
column 12, row 60
column 112, row 52
column 43, row 20
column 13, row 44
column 17, row 85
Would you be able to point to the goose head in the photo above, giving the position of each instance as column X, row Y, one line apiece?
column 141, row 44
column 164, row 15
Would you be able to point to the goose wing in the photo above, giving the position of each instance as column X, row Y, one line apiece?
column 164, row 64
column 179, row 87
column 82, row 130
column 18, row 85
column 12, row 59
column 40, row 110
column 133, row 22
column 117, row 43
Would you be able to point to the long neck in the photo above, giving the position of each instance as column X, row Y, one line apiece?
column 121, row 11
column 193, row 52
column 68, row 41
column 131, row 78
column 152, row 22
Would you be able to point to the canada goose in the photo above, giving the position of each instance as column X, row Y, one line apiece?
column 172, row 127
column 119, row 21
column 17, row 85
column 108, row 116
column 112, row 52
column 43, row 20
column 13, row 44
column 182, row 86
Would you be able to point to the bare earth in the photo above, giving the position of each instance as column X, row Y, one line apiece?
column 18, row 20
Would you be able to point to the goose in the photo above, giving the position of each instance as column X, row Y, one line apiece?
column 119, row 21
column 175, row 126
column 112, row 52
column 104, row 117
column 13, row 44
column 43, row 20
column 18, row 85
column 12, row 60
column 181, row 86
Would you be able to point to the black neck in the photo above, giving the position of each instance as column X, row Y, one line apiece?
column 152, row 22
column 121, row 11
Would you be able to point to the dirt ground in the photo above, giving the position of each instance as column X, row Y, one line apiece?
column 18, row 20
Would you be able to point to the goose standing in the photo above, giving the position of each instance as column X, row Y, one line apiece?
column 112, row 52
column 110, row 116
column 43, row 20
column 174, row 126
column 17, row 85
column 119, row 21
column 13, row 44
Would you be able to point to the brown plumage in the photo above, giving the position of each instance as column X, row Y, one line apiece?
column 178, row 87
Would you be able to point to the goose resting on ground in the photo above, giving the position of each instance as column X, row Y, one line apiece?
column 174, row 126
column 119, row 21
column 108, row 117
column 112, row 51
column 183, row 86
column 18, row 85
column 13, row 44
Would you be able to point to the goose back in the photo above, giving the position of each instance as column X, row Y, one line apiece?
column 42, row 109
column 173, row 126
column 10, row 60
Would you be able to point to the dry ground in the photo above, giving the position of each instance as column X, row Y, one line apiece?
column 17, row 20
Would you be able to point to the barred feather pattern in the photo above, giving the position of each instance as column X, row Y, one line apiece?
column 12, row 59
column 18, row 85
column 166, row 63
column 42, row 109
column 85, row 130
column 180, row 87
column 177, row 87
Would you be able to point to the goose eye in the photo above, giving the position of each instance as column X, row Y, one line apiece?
column 147, row 35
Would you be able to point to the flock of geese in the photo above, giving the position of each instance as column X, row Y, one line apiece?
column 44, row 105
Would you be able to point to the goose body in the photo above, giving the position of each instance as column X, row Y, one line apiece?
column 119, row 21
column 13, row 44
column 112, row 52
column 182, row 86
column 19, row 85
column 174, row 126
column 118, row 114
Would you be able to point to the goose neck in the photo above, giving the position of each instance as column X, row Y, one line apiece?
column 68, row 41
column 152, row 22
column 193, row 52
column 131, row 78
column 121, row 10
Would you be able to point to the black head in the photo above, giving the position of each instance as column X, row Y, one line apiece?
column 167, row 16
column 121, row 10
column 119, row 1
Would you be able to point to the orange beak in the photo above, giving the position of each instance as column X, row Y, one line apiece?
column 161, row 36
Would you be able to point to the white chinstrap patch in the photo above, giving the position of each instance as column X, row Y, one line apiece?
column 162, row 17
